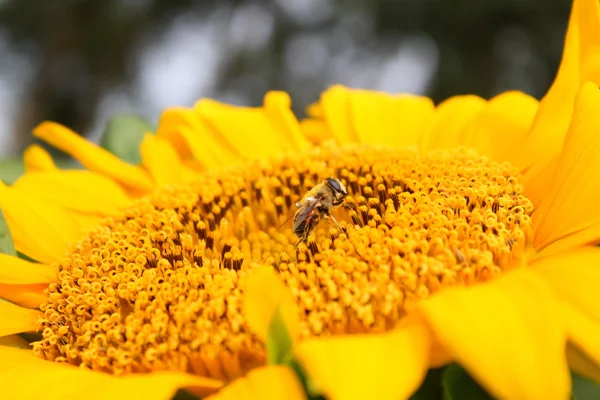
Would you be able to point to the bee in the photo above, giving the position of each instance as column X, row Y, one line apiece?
column 316, row 204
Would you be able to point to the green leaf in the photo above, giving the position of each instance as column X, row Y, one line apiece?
column 279, row 341
column 280, row 352
column 32, row 336
column 7, row 245
column 584, row 389
column 310, row 389
column 25, row 257
column 459, row 385
column 123, row 135
column 11, row 169
column 431, row 388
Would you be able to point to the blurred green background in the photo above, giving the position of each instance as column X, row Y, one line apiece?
column 79, row 62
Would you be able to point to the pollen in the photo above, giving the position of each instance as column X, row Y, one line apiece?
column 160, row 287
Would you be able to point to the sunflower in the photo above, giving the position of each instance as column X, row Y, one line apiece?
column 466, row 238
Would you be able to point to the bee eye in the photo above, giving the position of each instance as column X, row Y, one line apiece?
column 335, row 184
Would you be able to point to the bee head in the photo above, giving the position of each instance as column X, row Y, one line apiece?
column 338, row 189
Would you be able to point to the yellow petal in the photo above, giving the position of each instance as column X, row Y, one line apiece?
column 77, row 190
column 506, row 334
column 219, row 135
column 93, row 157
column 277, row 107
column 315, row 130
column 271, row 382
column 263, row 293
column 315, row 110
column 15, row 271
column 14, row 341
column 582, row 364
column 569, row 206
column 501, row 126
column 584, row 333
column 168, row 125
column 383, row 119
column 17, row 319
column 335, row 105
column 571, row 241
column 438, row 355
column 36, row 158
column 450, row 118
column 391, row 365
column 190, row 137
column 30, row 296
column 536, row 189
column 248, row 132
column 39, row 229
column 22, row 282
column 575, row 278
column 60, row 381
column 162, row 162
column 580, row 62
column 372, row 117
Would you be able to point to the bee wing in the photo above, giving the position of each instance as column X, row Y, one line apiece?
column 304, row 212
column 306, row 200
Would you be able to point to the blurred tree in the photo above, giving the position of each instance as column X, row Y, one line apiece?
column 83, row 48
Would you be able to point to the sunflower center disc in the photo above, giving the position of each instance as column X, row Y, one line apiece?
column 161, row 286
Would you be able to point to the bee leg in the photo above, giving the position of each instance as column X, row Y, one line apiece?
column 303, row 237
column 307, row 229
column 337, row 223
